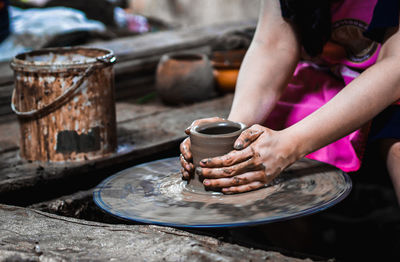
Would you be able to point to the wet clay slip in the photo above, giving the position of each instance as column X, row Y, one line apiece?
column 211, row 140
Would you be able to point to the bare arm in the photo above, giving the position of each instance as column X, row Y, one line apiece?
column 268, row 66
column 361, row 100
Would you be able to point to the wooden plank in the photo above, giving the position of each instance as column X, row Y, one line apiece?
column 77, row 205
column 148, row 64
column 152, row 44
column 169, row 41
column 156, row 43
column 6, row 73
column 143, row 130
column 138, row 57
column 30, row 235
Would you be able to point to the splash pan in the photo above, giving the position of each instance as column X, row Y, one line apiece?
column 154, row 193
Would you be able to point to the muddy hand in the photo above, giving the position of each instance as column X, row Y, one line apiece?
column 263, row 154
column 248, row 136
column 186, row 159
column 187, row 169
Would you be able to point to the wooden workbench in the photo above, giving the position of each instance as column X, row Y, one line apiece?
column 31, row 235
column 144, row 130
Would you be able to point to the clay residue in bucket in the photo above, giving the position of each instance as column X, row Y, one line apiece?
column 52, row 58
column 58, row 57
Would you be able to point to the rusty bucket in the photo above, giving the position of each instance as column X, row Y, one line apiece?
column 64, row 100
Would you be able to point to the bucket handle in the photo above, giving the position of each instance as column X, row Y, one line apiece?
column 62, row 99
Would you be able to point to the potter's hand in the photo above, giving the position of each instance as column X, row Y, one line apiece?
column 186, row 155
column 260, row 155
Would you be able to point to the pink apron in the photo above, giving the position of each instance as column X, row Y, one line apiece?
column 316, row 81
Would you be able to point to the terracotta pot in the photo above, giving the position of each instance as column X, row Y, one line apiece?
column 226, row 79
column 211, row 140
column 226, row 68
column 185, row 78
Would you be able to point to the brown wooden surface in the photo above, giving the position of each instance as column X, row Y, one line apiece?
column 30, row 235
column 144, row 130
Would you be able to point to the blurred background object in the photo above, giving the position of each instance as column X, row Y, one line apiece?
column 32, row 24
column 185, row 13
column 116, row 15
column 100, row 10
column 234, row 39
column 184, row 78
column 35, row 24
column 226, row 65
column 228, row 53
column 4, row 20
column 36, row 28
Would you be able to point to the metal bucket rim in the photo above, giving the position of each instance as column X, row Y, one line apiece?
column 89, row 67
column 20, row 64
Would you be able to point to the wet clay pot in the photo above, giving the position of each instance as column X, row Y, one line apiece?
column 184, row 78
column 211, row 140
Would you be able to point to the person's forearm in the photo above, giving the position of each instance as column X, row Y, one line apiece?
column 374, row 90
column 361, row 100
column 262, row 79
column 268, row 66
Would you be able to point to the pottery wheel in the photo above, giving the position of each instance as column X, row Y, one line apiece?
column 154, row 193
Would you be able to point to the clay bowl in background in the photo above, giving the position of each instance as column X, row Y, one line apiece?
column 226, row 66
column 183, row 78
column 211, row 140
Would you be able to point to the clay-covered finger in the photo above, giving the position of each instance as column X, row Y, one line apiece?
column 232, row 158
column 202, row 121
column 185, row 149
column 229, row 171
column 185, row 174
column 185, row 164
column 238, row 180
column 248, row 136
column 243, row 188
